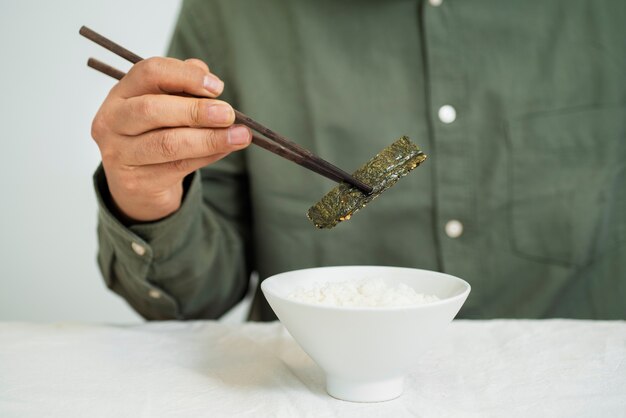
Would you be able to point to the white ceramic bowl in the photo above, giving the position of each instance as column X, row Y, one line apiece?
column 365, row 352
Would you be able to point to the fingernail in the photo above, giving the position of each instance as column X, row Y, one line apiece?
column 238, row 135
column 213, row 84
column 220, row 113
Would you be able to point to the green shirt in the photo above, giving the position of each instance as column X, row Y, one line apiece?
column 521, row 107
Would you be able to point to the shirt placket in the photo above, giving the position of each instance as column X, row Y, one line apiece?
column 453, row 147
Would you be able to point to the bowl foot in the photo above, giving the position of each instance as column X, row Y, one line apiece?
column 364, row 391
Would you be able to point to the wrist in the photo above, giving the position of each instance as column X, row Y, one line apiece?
column 133, row 208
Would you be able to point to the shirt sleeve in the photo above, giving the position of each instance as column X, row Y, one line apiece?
column 194, row 263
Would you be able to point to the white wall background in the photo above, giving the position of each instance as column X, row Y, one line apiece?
column 47, row 100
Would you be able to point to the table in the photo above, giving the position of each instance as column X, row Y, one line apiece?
column 551, row 368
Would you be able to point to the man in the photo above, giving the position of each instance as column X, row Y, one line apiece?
column 520, row 106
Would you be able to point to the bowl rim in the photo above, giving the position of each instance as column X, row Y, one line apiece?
column 462, row 295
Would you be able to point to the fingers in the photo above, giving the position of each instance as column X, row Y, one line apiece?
column 148, row 193
column 168, row 75
column 151, row 136
column 177, row 144
column 174, row 171
column 198, row 63
column 145, row 113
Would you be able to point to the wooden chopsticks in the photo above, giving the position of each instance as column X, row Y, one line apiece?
column 276, row 144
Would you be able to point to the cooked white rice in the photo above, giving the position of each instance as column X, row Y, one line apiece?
column 361, row 293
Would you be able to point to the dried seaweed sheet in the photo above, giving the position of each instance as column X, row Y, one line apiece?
column 381, row 172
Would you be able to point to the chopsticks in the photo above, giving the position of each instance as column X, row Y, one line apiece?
column 280, row 146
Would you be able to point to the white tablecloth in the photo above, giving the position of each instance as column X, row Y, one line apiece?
column 554, row 368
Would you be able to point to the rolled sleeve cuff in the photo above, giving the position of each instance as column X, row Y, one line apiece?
column 133, row 249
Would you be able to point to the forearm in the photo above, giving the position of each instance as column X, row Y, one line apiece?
column 192, row 264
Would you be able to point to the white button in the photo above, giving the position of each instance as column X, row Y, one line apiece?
column 454, row 228
column 154, row 294
column 447, row 114
column 138, row 249
column 435, row 2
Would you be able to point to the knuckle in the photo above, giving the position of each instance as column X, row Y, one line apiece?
column 210, row 142
column 110, row 154
column 143, row 108
column 168, row 145
column 195, row 110
column 198, row 63
column 99, row 127
column 150, row 68
column 103, row 123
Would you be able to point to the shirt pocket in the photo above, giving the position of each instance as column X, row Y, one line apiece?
column 567, row 184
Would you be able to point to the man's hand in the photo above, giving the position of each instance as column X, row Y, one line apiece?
column 151, row 137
